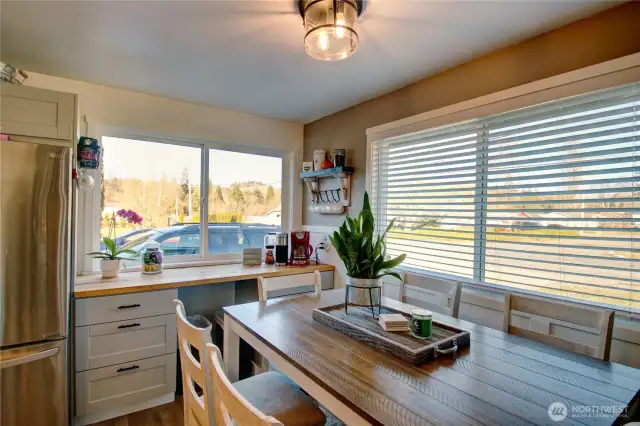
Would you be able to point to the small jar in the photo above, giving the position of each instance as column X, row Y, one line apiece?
column 421, row 323
column 152, row 258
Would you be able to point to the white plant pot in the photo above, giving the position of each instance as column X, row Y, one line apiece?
column 109, row 268
column 360, row 296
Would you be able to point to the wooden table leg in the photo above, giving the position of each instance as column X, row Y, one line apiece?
column 231, row 349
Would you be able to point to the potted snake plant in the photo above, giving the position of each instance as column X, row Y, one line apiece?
column 364, row 255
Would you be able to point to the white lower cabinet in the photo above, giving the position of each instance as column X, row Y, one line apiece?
column 100, row 345
column 122, row 385
column 124, row 362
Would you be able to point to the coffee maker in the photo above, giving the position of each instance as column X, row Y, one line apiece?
column 301, row 250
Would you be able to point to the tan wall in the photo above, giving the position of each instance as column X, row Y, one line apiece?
column 605, row 36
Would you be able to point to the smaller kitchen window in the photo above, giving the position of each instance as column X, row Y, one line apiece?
column 181, row 190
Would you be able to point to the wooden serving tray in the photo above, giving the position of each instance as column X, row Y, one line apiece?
column 360, row 325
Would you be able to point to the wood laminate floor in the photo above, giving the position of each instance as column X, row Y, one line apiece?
column 171, row 415
column 163, row 415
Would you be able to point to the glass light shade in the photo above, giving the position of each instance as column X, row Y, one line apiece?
column 329, row 26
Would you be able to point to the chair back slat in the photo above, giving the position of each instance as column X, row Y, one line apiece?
column 231, row 408
column 538, row 319
column 266, row 285
column 436, row 294
column 197, row 406
column 392, row 286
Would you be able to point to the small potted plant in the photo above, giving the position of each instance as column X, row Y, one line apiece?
column 363, row 255
column 110, row 258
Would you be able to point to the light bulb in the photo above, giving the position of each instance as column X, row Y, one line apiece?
column 340, row 21
column 323, row 41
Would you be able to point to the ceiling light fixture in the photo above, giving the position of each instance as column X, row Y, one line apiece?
column 329, row 28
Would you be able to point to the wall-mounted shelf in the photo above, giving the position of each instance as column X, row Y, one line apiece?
column 332, row 172
column 329, row 201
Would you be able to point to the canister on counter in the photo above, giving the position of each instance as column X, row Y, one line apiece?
column 152, row 258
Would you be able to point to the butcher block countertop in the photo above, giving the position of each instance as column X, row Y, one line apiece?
column 135, row 282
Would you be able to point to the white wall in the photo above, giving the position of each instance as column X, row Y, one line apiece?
column 103, row 106
column 133, row 113
column 485, row 306
column 110, row 106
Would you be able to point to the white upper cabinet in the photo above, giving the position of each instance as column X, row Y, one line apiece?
column 38, row 113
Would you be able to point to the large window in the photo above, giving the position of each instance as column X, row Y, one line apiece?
column 197, row 203
column 545, row 199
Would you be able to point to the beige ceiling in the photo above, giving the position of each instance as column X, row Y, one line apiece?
column 248, row 55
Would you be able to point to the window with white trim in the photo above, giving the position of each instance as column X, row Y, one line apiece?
column 197, row 202
column 544, row 199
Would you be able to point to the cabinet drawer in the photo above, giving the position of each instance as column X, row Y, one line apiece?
column 98, row 310
column 128, row 325
column 124, row 384
column 105, row 344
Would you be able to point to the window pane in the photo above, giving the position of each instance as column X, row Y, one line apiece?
column 161, row 182
column 244, row 200
column 545, row 198
column 561, row 198
column 427, row 185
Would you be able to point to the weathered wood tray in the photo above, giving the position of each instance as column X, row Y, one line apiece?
column 360, row 325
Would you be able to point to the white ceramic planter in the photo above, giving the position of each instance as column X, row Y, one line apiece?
column 360, row 296
column 109, row 268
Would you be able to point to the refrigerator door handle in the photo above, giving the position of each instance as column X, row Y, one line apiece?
column 28, row 358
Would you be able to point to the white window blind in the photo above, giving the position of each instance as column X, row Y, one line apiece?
column 545, row 199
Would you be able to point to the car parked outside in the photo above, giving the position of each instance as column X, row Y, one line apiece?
column 126, row 238
column 184, row 239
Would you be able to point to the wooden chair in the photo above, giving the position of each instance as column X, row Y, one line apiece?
column 392, row 287
column 535, row 318
column 198, row 409
column 266, row 285
column 258, row 400
column 231, row 408
column 436, row 294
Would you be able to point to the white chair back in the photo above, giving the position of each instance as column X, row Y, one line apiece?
column 231, row 408
column 198, row 409
column 266, row 285
column 436, row 294
column 392, row 286
column 541, row 319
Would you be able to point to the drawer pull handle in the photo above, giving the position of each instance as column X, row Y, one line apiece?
column 133, row 367
column 135, row 324
column 135, row 305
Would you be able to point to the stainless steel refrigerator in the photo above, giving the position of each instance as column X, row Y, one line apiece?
column 35, row 207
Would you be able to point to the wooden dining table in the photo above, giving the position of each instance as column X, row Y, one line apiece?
column 499, row 380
